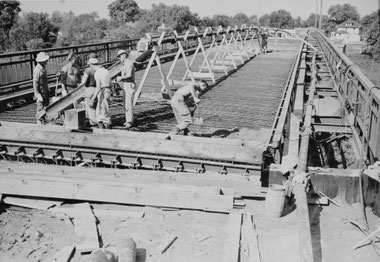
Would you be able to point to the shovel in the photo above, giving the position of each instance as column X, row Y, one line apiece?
column 198, row 121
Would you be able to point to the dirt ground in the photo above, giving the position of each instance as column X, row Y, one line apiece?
column 36, row 235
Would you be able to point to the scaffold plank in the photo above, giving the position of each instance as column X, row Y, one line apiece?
column 248, row 186
column 122, row 193
column 135, row 144
column 232, row 240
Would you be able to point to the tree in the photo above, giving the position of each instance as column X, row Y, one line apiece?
column 86, row 29
column 33, row 26
column 176, row 17
column 123, row 11
column 310, row 21
column 371, row 34
column 253, row 20
column 264, row 20
column 239, row 19
column 8, row 14
column 298, row 22
column 340, row 13
column 281, row 19
column 35, row 43
column 8, row 17
column 222, row 20
column 206, row 22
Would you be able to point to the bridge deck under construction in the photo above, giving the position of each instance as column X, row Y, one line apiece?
column 247, row 98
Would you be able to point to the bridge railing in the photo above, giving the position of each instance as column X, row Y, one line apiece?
column 17, row 68
column 360, row 96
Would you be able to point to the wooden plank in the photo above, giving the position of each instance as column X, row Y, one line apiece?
column 123, row 194
column 85, row 229
column 117, row 214
column 290, row 160
column 204, row 191
column 301, row 77
column 225, row 62
column 299, row 103
column 242, row 185
column 252, row 238
column 64, row 254
column 31, row 203
column 168, row 244
column 232, row 240
column 215, row 68
column 130, row 134
column 49, row 127
column 198, row 75
column 136, row 144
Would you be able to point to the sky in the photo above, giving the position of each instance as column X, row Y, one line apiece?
column 302, row 8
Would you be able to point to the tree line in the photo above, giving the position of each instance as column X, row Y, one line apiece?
column 40, row 30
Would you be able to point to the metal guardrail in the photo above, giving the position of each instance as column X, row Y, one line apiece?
column 16, row 69
column 360, row 96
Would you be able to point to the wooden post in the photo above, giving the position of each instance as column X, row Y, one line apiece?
column 300, row 178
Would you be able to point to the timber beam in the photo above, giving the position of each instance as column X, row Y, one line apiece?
column 176, row 196
column 122, row 149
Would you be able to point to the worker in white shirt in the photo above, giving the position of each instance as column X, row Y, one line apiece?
column 127, row 82
column 103, row 93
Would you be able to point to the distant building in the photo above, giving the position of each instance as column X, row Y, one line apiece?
column 348, row 31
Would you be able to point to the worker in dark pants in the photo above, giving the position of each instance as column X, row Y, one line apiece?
column 264, row 40
column 40, row 86
column 179, row 103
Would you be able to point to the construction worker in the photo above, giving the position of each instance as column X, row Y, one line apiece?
column 144, row 49
column 102, row 93
column 88, row 80
column 69, row 75
column 40, row 86
column 179, row 103
column 264, row 40
column 127, row 82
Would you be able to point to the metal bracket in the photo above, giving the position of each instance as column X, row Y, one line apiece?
column 58, row 155
column 117, row 161
column 20, row 151
column 223, row 171
column 3, row 149
column 245, row 172
column 201, row 169
column 39, row 153
column 157, row 165
column 179, row 167
column 77, row 156
column 97, row 159
column 136, row 164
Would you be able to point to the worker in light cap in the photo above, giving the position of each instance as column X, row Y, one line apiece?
column 40, row 86
column 88, row 80
column 102, row 93
column 127, row 81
